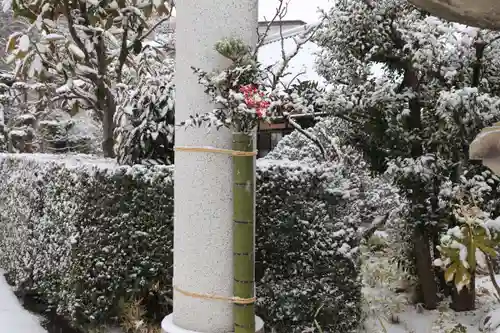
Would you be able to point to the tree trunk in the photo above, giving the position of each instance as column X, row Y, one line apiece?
column 438, row 271
column 422, row 251
column 243, row 232
column 106, row 101
column 107, row 107
column 108, row 139
column 466, row 299
column 425, row 270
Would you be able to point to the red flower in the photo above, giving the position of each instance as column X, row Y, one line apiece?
column 255, row 99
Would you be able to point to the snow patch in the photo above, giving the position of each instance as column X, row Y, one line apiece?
column 13, row 317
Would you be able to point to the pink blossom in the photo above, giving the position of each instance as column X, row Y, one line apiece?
column 255, row 99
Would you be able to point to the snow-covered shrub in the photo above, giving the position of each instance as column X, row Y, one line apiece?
column 84, row 135
column 32, row 120
column 60, row 133
column 297, row 147
column 371, row 196
column 470, row 244
column 307, row 258
column 145, row 118
column 85, row 234
column 371, row 199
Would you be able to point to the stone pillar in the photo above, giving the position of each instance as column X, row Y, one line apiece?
column 203, row 181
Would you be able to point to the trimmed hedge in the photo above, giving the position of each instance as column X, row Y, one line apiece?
column 306, row 252
column 84, row 235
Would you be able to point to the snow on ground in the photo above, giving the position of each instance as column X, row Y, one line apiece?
column 387, row 310
column 13, row 317
column 392, row 312
column 438, row 321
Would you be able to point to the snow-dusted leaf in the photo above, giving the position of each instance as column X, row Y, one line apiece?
column 24, row 43
column 113, row 5
column 75, row 50
column 54, row 37
column 49, row 23
column 11, row 43
column 36, row 66
column 85, row 69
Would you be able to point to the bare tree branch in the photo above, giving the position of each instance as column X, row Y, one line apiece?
column 311, row 137
column 123, row 50
column 281, row 11
column 295, row 77
column 72, row 31
column 338, row 152
column 154, row 27
column 303, row 38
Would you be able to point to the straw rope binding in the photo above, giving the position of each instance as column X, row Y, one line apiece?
column 235, row 300
column 217, row 150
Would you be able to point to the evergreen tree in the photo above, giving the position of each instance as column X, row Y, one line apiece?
column 439, row 87
column 84, row 49
column 145, row 117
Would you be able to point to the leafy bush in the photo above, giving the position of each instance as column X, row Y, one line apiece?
column 297, row 147
column 370, row 196
column 307, row 259
column 82, row 234
column 30, row 122
column 360, row 197
column 145, row 118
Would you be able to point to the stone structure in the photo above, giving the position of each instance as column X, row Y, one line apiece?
column 477, row 13
column 203, row 181
column 486, row 148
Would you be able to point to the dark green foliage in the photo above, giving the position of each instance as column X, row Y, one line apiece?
column 145, row 120
column 307, row 254
column 84, row 236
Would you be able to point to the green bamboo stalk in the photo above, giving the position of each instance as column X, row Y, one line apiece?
column 243, row 232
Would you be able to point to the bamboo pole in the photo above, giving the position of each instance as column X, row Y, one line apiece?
column 244, row 232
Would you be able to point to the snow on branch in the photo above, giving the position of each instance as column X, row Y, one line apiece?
column 96, row 42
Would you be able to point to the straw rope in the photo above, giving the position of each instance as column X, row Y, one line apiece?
column 236, row 300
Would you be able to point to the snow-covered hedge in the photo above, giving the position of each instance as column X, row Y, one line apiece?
column 85, row 235
column 370, row 196
column 307, row 258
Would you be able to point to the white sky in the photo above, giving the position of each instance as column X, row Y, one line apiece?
column 305, row 10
